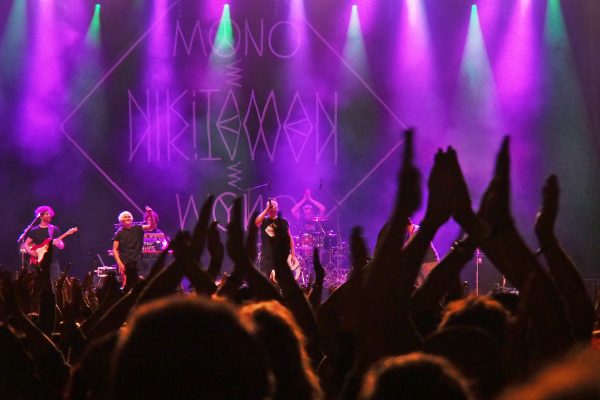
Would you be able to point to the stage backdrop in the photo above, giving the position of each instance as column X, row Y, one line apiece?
column 115, row 105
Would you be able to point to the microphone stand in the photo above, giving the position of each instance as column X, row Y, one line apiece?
column 247, row 191
column 257, row 187
column 247, row 201
column 21, row 240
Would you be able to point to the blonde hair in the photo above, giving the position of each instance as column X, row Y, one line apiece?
column 123, row 215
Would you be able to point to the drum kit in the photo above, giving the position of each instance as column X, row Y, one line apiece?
column 333, row 254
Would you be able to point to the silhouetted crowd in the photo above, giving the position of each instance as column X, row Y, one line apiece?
column 377, row 336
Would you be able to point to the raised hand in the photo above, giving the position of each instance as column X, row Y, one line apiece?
column 561, row 267
column 439, row 203
column 462, row 209
column 181, row 245
column 235, row 236
column 408, row 197
column 252, row 237
column 199, row 235
column 359, row 254
column 314, row 297
column 215, row 249
column 495, row 205
column 318, row 268
column 546, row 217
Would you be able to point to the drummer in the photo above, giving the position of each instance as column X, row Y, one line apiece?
column 308, row 213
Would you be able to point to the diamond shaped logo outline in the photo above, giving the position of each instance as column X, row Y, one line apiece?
column 142, row 37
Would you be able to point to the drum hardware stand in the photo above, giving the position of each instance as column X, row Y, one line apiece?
column 101, row 260
column 478, row 263
column 338, row 207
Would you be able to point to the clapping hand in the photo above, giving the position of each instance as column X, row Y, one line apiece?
column 546, row 217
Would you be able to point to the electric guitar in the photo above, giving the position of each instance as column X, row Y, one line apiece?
column 42, row 248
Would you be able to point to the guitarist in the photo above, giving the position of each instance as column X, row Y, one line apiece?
column 43, row 231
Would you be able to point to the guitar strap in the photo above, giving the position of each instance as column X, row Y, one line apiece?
column 51, row 231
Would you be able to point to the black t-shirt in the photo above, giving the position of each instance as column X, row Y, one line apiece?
column 38, row 235
column 267, row 234
column 130, row 243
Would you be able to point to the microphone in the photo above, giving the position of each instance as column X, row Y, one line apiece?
column 321, row 184
column 269, row 185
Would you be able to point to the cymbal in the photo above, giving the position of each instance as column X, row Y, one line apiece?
column 318, row 219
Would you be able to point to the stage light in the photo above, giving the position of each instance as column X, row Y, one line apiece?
column 354, row 28
column 223, row 44
column 93, row 33
column 354, row 48
column 13, row 39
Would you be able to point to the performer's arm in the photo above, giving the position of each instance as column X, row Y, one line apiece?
column 296, row 209
column 152, row 225
column 309, row 199
column 28, row 244
column 59, row 243
column 117, row 257
column 292, row 249
column 259, row 219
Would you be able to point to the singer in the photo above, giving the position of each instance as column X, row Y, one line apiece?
column 269, row 222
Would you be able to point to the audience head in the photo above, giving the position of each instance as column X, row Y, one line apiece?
column 182, row 347
column 414, row 376
column 477, row 311
column 475, row 352
column 577, row 377
column 277, row 331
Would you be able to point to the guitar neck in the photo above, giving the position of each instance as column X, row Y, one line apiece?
column 67, row 233
column 61, row 237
